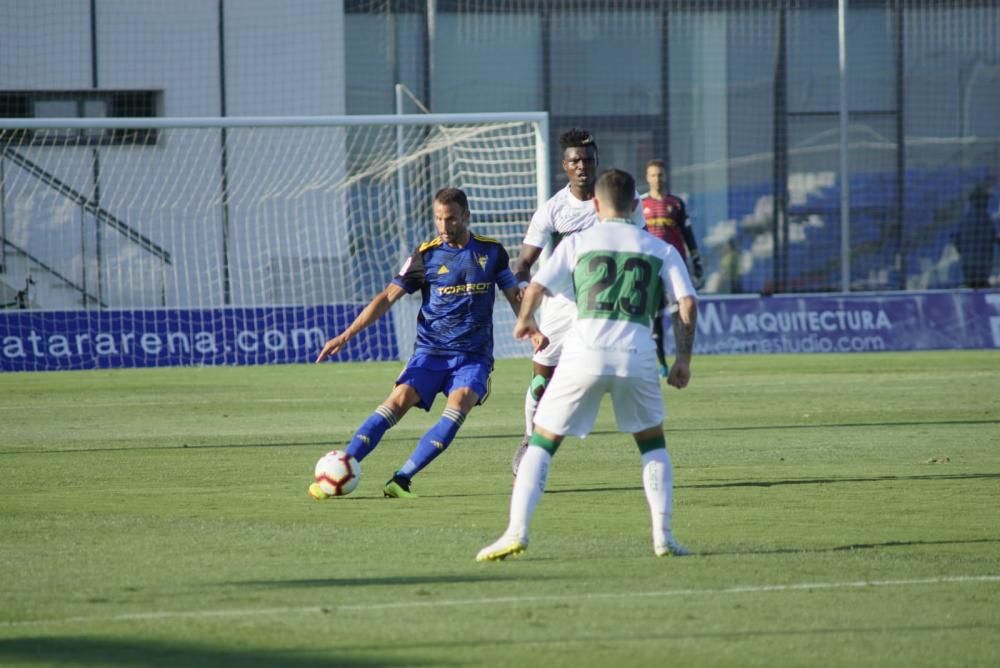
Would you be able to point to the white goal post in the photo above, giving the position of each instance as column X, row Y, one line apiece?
column 207, row 213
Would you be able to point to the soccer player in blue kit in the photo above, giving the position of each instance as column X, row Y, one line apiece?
column 457, row 273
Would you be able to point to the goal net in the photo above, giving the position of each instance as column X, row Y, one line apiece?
column 226, row 215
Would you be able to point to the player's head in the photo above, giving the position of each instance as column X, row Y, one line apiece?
column 451, row 216
column 579, row 158
column 656, row 176
column 614, row 194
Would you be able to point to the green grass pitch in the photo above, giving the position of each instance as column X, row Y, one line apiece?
column 843, row 511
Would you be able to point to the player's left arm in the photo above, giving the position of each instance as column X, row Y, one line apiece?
column 507, row 281
column 684, row 315
column 685, row 320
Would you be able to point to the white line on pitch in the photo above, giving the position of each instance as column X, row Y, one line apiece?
column 257, row 612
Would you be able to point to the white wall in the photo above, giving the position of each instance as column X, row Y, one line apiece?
column 44, row 44
column 172, row 46
column 284, row 59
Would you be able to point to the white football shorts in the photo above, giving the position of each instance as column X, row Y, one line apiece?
column 572, row 400
column 555, row 319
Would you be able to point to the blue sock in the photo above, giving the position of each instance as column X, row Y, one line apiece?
column 433, row 443
column 371, row 432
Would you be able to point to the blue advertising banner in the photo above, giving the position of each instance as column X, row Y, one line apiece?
column 848, row 323
column 53, row 340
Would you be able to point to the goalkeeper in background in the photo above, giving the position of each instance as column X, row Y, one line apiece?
column 667, row 218
column 457, row 273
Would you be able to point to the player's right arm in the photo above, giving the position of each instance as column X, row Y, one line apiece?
column 409, row 279
column 526, row 326
column 556, row 274
column 376, row 308
column 525, row 261
column 539, row 231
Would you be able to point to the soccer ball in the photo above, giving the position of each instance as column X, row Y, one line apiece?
column 337, row 473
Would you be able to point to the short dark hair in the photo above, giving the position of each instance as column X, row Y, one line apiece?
column 576, row 138
column 617, row 188
column 452, row 196
column 656, row 163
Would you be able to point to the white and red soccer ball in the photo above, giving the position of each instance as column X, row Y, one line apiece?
column 337, row 473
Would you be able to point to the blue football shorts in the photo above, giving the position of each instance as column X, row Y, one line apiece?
column 429, row 374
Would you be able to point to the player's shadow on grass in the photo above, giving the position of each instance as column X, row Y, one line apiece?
column 512, row 436
column 847, row 548
column 791, row 481
column 126, row 653
column 832, row 425
column 378, row 582
column 854, row 479
column 336, row 443
column 740, row 483
column 319, row 446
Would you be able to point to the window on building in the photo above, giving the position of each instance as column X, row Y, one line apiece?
column 84, row 104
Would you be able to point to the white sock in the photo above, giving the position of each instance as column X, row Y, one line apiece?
column 532, row 475
column 530, row 406
column 658, row 481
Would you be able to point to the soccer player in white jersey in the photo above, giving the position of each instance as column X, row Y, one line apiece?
column 567, row 212
column 616, row 274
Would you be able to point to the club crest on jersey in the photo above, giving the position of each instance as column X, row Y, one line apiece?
column 481, row 259
column 442, row 269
